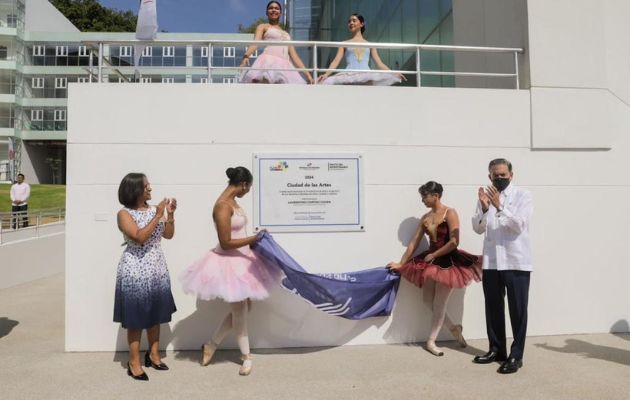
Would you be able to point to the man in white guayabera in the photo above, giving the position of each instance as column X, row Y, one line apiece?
column 503, row 214
column 20, row 192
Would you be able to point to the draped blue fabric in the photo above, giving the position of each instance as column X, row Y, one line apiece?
column 351, row 295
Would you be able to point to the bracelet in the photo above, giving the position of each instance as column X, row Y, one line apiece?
column 245, row 56
column 170, row 221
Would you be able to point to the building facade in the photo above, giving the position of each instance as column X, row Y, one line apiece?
column 41, row 53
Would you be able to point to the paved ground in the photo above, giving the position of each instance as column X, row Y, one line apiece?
column 34, row 366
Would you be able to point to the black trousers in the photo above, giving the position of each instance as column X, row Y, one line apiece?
column 20, row 216
column 495, row 286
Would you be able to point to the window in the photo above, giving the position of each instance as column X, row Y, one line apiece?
column 229, row 80
column 254, row 54
column 37, row 115
column 229, row 52
column 203, row 80
column 83, row 51
column 4, row 52
column 168, row 80
column 11, row 20
column 61, row 83
column 83, row 79
column 147, row 52
column 39, row 51
column 145, row 80
column 61, row 51
column 168, row 51
column 125, row 51
column 37, row 83
column 204, row 52
column 60, row 115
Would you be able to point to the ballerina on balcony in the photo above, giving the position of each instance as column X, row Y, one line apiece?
column 277, row 64
column 358, row 58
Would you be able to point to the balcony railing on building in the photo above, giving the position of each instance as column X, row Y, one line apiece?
column 202, row 61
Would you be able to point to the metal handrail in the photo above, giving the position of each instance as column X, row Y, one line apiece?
column 36, row 219
column 418, row 48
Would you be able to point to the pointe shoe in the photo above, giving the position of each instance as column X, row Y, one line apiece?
column 142, row 377
column 206, row 355
column 149, row 363
column 433, row 349
column 457, row 334
column 246, row 368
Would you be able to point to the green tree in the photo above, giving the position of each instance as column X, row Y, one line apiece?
column 251, row 28
column 91, row 16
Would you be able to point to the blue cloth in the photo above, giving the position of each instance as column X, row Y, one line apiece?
column 351, row 295
column 357, row 58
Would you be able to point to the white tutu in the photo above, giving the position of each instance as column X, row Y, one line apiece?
column 362, row 78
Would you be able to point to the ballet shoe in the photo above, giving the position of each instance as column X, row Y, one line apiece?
column 433, row 349
column 246, row 368
column 457, row 334
column 206, row 355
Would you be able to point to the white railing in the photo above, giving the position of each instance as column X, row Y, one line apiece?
column 418, row 49
column 15, row 226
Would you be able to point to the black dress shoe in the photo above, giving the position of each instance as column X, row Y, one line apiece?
column 149, row 363
column 489, row 357
column 510, row 366
column 142, row 377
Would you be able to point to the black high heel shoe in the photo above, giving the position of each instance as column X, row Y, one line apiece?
column 142, row 377
column 148, row 363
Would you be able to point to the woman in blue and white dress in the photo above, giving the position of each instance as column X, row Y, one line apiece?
column 358, row 58
column 143, row 298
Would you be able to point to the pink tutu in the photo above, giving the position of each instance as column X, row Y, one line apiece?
column 269, row 68
column 232, row 275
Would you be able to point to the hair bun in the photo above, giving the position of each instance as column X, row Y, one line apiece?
column 230, row 172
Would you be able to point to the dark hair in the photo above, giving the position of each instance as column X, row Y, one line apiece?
column 21, row 174
column 131, row 188
column 500, row 161
column 274, row 1
column 431, row 187
column 239, row 175
column 361, row 19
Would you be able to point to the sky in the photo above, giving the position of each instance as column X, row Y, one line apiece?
column 215, row 16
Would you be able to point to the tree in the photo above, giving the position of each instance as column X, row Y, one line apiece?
column 251, row 28
column 91, row 16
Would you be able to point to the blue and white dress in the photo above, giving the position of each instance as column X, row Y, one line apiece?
column 359, row 58
column 143, row 285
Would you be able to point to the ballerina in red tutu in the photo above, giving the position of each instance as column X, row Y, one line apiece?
column 442, row 264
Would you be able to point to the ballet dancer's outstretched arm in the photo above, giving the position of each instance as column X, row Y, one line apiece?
column 413, row 245
column 260, row 31
column 297, row 61
column 333, row 64
column 381, row 65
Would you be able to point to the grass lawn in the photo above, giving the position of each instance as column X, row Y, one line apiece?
column 42, row 197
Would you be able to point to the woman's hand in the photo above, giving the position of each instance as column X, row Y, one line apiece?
column 429, row 258
column 322, row 78
column 160, row 207
column 309, row 79
column 171, row 206
column 402, row 77
column 394, row 266
column 245, row 62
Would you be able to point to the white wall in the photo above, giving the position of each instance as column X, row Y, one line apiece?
column 41, row 16
column 28, row 260
column 185, row 136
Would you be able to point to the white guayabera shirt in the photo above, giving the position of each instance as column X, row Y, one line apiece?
column 506, row 244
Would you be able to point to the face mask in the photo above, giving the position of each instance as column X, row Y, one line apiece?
column 501, row 183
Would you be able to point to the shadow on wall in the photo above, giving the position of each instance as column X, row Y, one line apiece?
column 301, row 323
column 595, row 351
column 6, row 326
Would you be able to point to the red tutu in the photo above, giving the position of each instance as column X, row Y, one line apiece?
column 456, row 269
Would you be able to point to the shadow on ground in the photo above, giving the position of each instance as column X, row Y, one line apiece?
column 6, row 326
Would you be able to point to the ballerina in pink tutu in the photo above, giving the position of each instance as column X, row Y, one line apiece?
column 443, row 265
column 277, row 63
column 358, row 58
column 231, row 271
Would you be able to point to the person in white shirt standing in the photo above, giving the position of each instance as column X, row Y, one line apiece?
column 503, row 214
column 20, row 192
